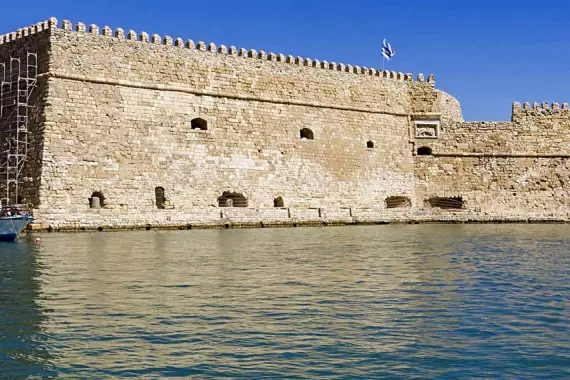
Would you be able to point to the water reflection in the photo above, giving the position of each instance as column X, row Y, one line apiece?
column 375, row 301
column 23, row 348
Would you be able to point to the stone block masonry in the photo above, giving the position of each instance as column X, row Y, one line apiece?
column 172, row 133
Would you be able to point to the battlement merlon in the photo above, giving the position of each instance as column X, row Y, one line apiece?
column 131, row 35
column 543, row 109
column 51, row 23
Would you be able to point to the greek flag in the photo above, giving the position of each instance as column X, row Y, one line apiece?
column 387, row 51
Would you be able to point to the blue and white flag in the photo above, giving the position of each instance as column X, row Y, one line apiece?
column 387, row 51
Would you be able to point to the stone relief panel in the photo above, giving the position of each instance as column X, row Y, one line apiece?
column 426, row 129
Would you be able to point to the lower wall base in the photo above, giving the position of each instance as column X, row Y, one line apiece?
column 104, row 219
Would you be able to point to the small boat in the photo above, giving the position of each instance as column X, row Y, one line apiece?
column 13, row 220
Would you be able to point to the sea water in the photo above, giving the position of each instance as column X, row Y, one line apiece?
column 396, row 301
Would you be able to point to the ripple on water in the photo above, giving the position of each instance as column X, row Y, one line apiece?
column 442, row 301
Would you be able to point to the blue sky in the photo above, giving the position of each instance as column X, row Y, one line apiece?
column 486, row 53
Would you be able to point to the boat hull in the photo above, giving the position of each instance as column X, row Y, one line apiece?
column 11, row 226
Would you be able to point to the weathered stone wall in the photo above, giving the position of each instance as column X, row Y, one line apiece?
column 538, row 130
column 17, row 45
column 501, row 168
column 448, row 107
column 119, row 122
column 116, row 111
column 497, row 185
column 139, row 139
column 234, row 73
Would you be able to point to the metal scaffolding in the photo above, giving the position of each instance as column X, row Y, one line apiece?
column 17, row 84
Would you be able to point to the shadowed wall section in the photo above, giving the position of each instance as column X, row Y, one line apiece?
column 22, row 85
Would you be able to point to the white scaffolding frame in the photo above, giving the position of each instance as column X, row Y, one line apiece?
column 17, row 84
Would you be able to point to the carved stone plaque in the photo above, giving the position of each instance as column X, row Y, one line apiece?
column 426, row 129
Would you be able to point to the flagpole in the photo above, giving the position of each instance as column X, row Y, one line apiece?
column 383, row 57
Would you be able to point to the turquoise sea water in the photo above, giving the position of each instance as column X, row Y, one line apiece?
column 402, row 301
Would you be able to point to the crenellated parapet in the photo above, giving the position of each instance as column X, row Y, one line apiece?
column 211, row 48
column 28, row 31
column 543, row 109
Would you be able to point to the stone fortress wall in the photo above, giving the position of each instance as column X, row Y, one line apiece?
column 518, row 168
column 296, row 140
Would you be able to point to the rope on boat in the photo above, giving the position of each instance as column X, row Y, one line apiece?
column 14, row 226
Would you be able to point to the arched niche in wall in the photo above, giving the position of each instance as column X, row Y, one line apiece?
column 398, row 202
column 199, row 123
column 307, row 134
column 229, row 199
column 424, row 151
column 278, row 202
column 160, row 200
column 97, row 200
column 447, row 203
